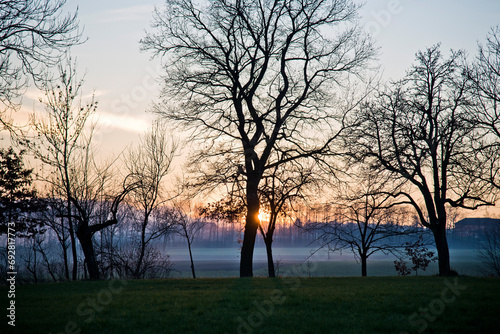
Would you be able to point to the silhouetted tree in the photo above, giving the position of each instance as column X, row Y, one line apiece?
column 21, row 211
column 281, row 187
column 484, row 74
column 96, row 201
column 489, row 251
column 186, row 226
column 63, row 141
column 148, row 166
column 253, row 82
column 422, row 133
column 366, row 220
column 59, row 136
column 484, row 77
column 33, row 36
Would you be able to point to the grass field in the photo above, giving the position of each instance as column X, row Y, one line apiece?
column 259, row 305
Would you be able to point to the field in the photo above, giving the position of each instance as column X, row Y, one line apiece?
column 259, row 305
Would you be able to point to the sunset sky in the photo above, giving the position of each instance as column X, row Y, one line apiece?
column 124, row 78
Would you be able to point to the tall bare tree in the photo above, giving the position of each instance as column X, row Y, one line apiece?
column 484, row 76
column 421, row 131
column 148, row 165
column 489, row 251
column 281, row 188
column 250, row 79
column 183, row 221
column 63, row 141
column 96, row 201
column 59, row 135
column 34, row 34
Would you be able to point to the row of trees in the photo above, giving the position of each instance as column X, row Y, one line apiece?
column 82, row 196
column 266, row 91
column 263, row 95
column 43, row 222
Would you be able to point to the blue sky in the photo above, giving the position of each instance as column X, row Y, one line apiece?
column 123, row 77
column 402, row 27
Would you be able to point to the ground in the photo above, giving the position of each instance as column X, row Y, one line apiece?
column 259, row 305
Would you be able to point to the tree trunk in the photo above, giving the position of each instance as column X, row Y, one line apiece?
column 363, row 265
column 251, row 226
column 62, row 241
column 442, row 249
column 142, row 250
column 270, row 261
column 34, row 263
column 111, row 257
column 85, row 237
column 191, row 258
column 73, row 242
column 65, row 256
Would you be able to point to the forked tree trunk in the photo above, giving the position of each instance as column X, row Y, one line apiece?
column 85, row 237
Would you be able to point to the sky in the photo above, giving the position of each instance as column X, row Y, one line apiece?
column 124, row 79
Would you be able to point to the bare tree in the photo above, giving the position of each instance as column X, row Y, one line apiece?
column 59, row 135
column 489, row 251
column 422, row 133
column 96, row 201
column 63, row 141
column 281, row 187
column 148, row 166
column 33, row 35
column 484, row 77
column 183, row 222
column 253, row 79
column 365, row 219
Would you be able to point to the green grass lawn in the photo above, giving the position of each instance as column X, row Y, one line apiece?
column 259, row 305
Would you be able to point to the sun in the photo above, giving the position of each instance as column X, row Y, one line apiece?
column 263, row 215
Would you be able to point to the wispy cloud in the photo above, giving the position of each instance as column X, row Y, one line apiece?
column 96, row 93
column 107, row 122
column 129, row 14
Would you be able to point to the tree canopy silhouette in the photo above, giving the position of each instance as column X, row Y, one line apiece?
column 252, row 81
column 33, row 35
column 421, row 131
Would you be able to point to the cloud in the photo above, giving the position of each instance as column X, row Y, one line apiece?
column 129, row 14
column 107, row 122
column 96, row 93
